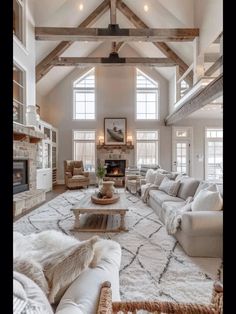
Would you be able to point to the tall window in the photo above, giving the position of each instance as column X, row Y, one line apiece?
column 214, row 154
column 84, row 97
column 84, row 148
column 18, row 94
column 147, row 147
column 146, row 97
column 18, row 19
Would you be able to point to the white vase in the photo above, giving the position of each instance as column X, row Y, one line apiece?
column 107, row 188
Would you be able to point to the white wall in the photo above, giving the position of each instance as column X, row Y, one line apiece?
column 209, row 19
column 25, row 56
column 199, row 126
column 115, row 97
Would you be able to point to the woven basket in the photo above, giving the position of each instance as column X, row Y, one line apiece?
column 106, row 306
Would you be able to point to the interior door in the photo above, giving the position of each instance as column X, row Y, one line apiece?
column 181, row 156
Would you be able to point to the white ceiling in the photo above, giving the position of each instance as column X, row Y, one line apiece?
column 161, row 13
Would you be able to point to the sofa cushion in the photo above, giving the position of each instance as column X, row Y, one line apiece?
column 78, row 177
column 188, row 187
column 150, row 176
column 77, row 171
column 160, row 197
column 207, row 200
column 171, row 187
column 204, row 185
column 158, row 179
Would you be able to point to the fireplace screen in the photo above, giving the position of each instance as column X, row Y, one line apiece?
column 20, row 176
column 115, row 168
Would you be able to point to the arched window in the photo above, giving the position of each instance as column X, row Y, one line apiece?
column 84, row 97
column 147, row 97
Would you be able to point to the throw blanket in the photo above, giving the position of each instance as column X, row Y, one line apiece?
column 173, row 218
column 146, row 195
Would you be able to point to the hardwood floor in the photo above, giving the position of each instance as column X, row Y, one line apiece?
column 57, row 190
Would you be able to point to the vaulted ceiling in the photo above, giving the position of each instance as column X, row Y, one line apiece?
column 66, row 13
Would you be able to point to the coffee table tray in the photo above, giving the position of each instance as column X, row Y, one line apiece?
column 104, row 201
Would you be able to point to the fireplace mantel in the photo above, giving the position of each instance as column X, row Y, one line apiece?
column 111, row 147
column 21, row 132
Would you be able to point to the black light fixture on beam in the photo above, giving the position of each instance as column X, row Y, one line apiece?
column 113, row 58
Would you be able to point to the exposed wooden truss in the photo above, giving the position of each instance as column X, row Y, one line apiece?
column 113, row 21
column 215, row 66
column 74, row 61
column 45, row 65
column 163, row 47
column 205, row 96
column 113, row 32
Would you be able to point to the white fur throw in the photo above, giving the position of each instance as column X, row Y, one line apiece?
column 173, row 218
column 61, row 258
column 146, row 195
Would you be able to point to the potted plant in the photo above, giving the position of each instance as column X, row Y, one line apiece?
column 101, row 171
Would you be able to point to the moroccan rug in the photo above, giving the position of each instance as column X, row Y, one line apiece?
column 153, row 264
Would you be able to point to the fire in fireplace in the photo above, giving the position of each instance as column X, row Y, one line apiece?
column 115, row 168
column 20, row 176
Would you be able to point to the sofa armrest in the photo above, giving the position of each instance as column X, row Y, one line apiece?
column 202, row 223
column 86, row 174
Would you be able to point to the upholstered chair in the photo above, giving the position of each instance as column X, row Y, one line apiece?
column 75, row 176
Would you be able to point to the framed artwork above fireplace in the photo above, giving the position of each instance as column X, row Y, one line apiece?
column 115, row 130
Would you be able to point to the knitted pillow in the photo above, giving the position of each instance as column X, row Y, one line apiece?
column 150, row 176
column 171, row 187
column 159, row 178
column 77, row 171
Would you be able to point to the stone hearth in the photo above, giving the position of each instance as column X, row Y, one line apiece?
column 24, row 148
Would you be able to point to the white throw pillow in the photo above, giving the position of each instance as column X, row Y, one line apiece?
column 171, row 187
column 159, row 178
column 150, row 176
column 207, row 200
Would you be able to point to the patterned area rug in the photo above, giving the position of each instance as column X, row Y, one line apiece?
column 153, row 265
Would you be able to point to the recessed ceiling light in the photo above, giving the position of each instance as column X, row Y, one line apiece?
column 81, row 6
column 145, row 7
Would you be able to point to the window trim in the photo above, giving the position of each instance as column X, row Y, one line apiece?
column 158, row 143
column 215, row 139
column 95, row 137
column 95, row 95
column 157, row 91
column 22, row 68
column 23, row 44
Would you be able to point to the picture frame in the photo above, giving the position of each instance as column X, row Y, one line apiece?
column 115, row 131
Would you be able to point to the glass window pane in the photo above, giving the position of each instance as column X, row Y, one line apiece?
column 141, row 116
column 141, row 107
column 151, row 97
column 151, row 116
column 141, row 97
column 18, row 20
column 151, row 107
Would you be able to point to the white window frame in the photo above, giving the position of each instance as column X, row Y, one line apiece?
column 215, row 139
column 155, row 141
column 24, row 105
column 22, row 43
column 147, row 89
column 87, row 141
column 82, row 89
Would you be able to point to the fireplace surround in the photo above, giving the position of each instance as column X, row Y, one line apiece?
column 20, row 176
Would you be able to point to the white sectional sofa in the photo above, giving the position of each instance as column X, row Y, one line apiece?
column 200, row 232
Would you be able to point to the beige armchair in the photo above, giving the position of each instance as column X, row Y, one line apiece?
column 75, row 176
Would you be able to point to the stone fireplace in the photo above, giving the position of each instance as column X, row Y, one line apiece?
column 25, row 193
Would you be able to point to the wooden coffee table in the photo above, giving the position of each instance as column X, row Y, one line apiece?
column 100, row 218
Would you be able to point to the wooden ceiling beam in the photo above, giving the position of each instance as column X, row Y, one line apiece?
column 205, row 96
column 114, row 32
column 163, row 47
column 211, row 57
column 81, row 61
column 45, row 65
